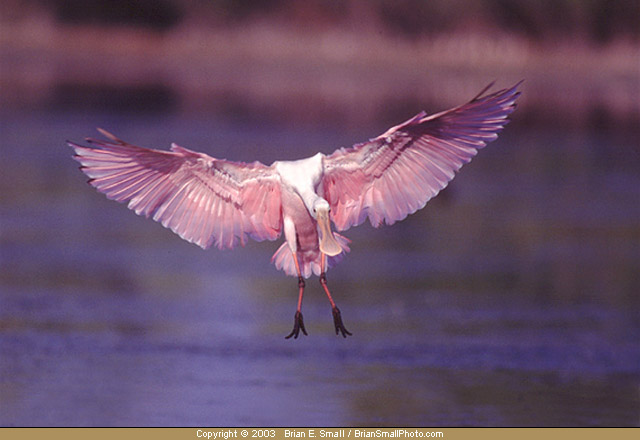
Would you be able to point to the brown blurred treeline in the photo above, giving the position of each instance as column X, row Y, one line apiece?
column 595, row 21
column 349, row 60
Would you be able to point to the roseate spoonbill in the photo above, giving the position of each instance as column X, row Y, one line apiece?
column 215, row 201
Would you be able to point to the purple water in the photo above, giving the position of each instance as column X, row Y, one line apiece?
column 511, row 299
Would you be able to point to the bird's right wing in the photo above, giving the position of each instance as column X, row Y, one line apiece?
column 398, row 172
column 202, row 199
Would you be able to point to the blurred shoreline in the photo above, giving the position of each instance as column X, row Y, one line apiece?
column 327, row 74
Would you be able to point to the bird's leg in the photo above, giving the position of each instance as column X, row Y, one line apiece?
column 298, row 323
column 337, row 318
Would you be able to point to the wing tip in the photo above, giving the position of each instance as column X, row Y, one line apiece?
column 513, row 91
column 483, row 91
column 108, row 135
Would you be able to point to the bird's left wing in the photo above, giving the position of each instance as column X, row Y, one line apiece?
column 202, row 199
column 398, row 172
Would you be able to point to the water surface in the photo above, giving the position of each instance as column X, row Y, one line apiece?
column 511, row 299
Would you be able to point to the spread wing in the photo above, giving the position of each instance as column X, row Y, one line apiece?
column 202, row 199
column 397, row 173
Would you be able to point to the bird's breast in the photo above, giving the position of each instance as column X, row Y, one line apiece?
column 301, row 175
column 305, row 225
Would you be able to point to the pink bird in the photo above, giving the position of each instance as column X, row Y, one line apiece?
column 210, row 201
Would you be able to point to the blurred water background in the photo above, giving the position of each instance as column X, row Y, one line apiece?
column 512, row 299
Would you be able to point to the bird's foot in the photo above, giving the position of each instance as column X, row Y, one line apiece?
column 298, row 324
column 337, row 321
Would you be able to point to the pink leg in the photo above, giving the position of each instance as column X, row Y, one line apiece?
column 298, row 323
column 337, row 318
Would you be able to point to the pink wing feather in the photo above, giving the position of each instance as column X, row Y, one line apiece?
column 398, row 172
column 202, row 199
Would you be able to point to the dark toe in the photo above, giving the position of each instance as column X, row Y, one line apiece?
column 298, row 324
column 337, row 322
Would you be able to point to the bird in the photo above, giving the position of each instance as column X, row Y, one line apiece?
column 209, row 201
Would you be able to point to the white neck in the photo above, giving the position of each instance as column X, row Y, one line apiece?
column 302, row 176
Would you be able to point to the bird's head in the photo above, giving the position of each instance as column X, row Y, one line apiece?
column 320, row 205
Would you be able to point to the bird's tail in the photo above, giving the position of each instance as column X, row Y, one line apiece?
column 309, row 261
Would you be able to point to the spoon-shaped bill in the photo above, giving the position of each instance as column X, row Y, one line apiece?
column 328, row 243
